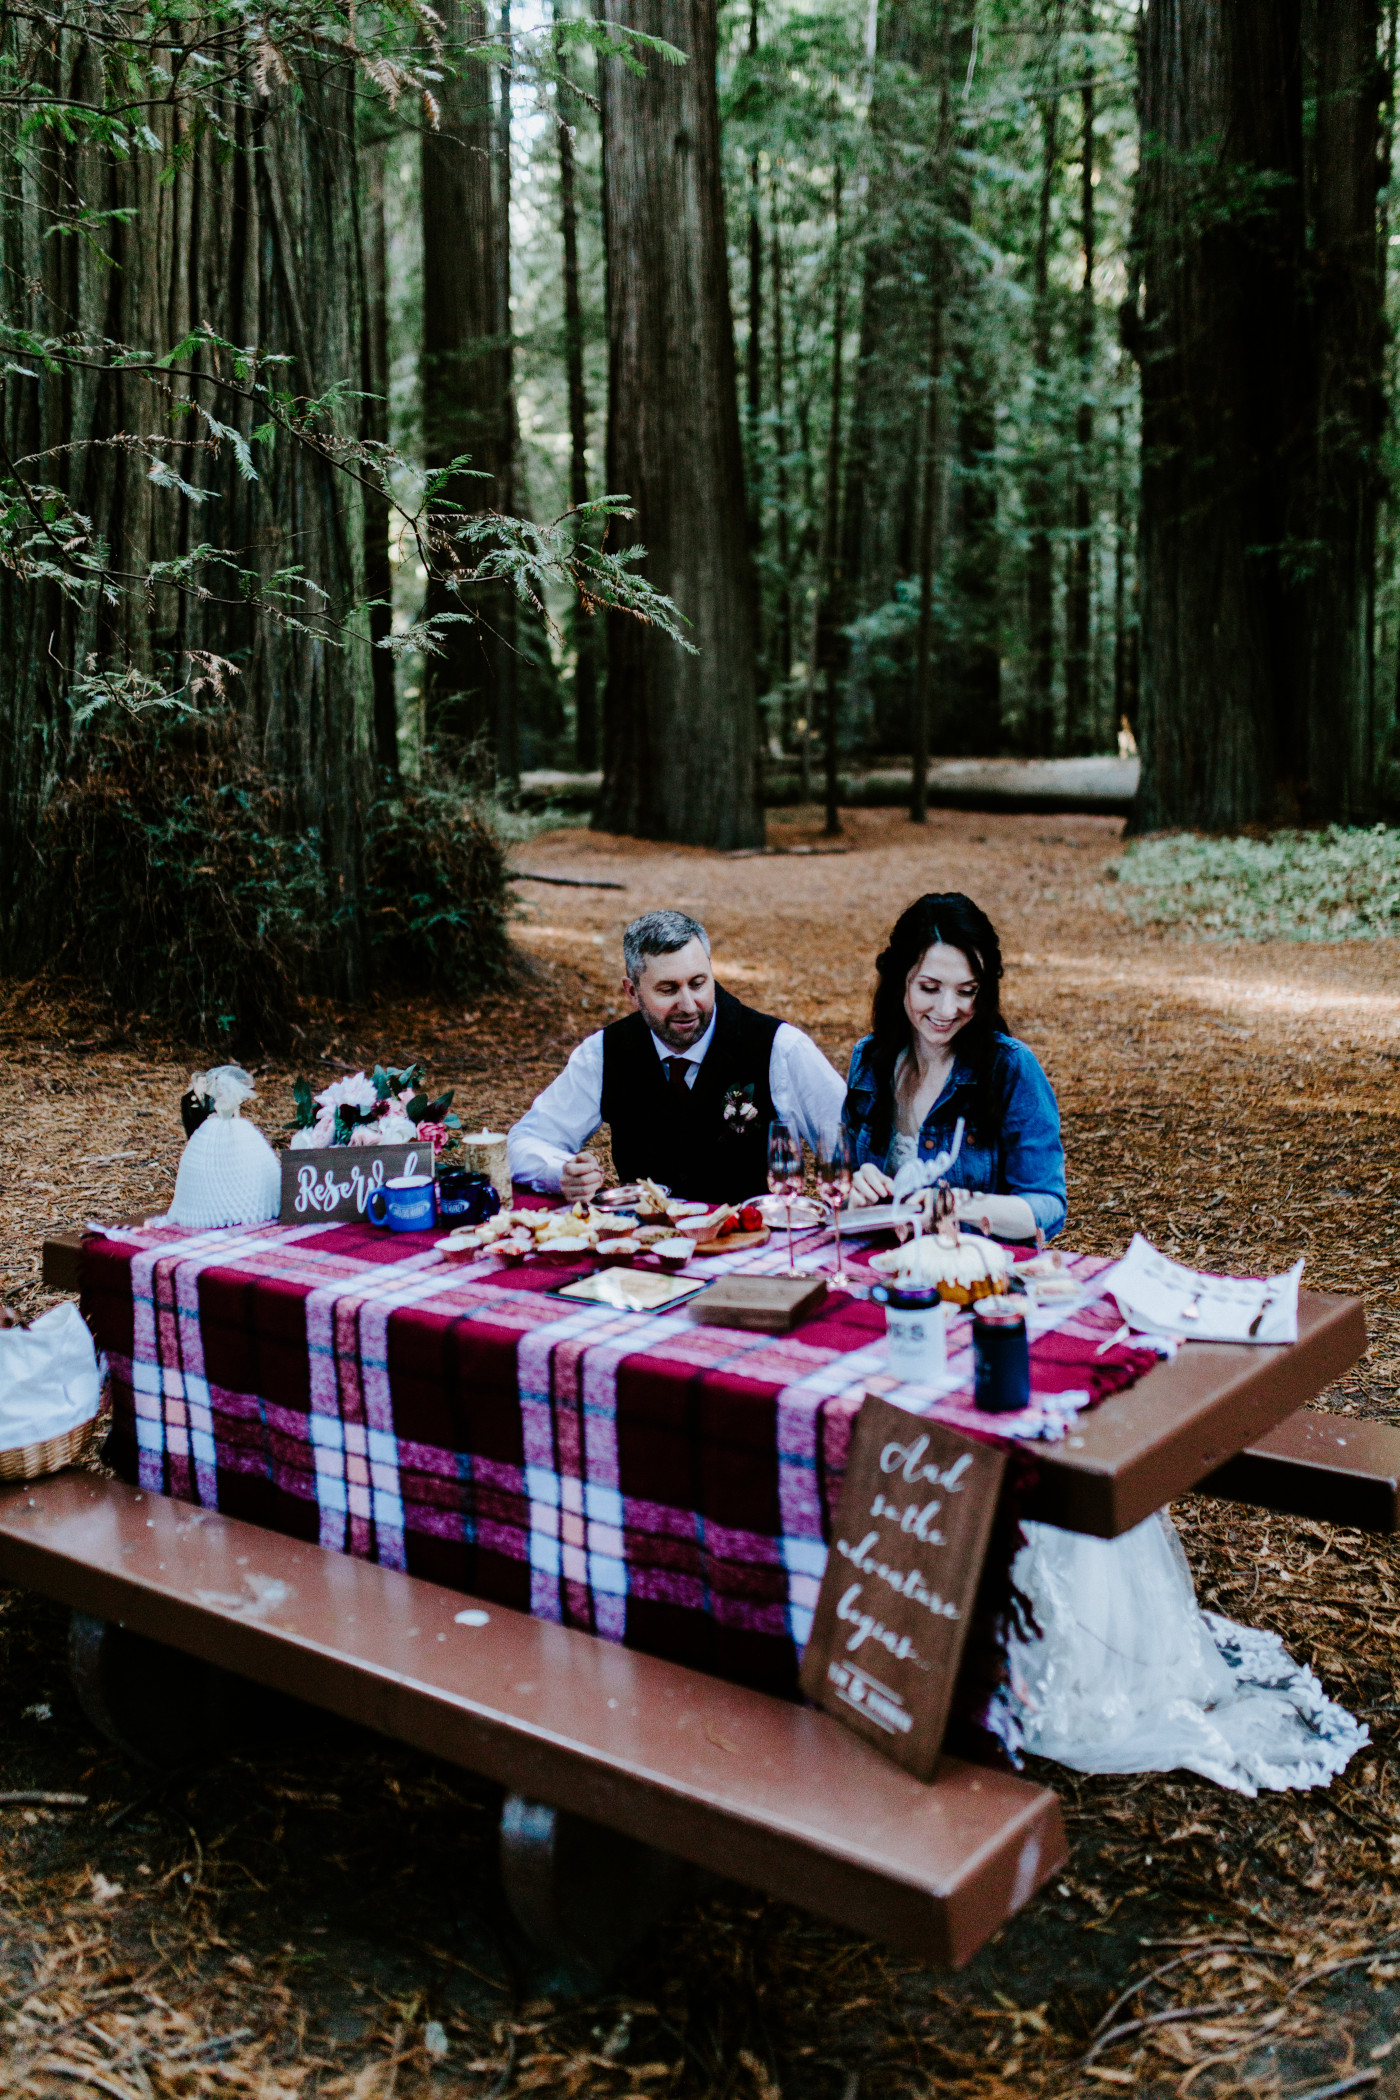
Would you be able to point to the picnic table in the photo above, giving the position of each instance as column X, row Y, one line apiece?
column 463, row 1437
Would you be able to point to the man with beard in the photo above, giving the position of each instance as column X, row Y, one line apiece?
column 688, row 1082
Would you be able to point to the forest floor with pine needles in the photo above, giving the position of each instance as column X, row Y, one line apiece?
column 318, row 1914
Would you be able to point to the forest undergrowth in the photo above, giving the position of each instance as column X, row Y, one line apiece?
column 317, row 1913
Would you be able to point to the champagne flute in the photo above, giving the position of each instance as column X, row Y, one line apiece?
column 835, row 1167
column 785, row 1172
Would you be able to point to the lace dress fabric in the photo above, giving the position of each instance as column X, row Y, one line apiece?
column 902, row 1150
column 1129, row 1675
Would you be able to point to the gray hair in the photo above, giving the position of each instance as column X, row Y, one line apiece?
column 658, row 933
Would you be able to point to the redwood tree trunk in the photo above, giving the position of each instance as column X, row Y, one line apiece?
column 1261, row 354
column 680, row 732
column 374, row 423
column 1331, row 749
column 462, row 374
column 1080, row 722
column 1040, row 573
column 236, row 232
column 583, row 625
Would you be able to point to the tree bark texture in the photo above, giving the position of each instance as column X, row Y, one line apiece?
column 374, row 425
column 463, row 374
column 235, row 237
column 1080, row 726
column 881, row 507
column 680, row 753
column 782, row 668
column 1333, row 749
column 504, row 607
column 913, row 189
column 583, row 625
column 1260, row 368
column 1040, row 569
column 971, row 718
column 829, row 651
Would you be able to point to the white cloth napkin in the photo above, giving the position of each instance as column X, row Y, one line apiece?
column 49, row 1378
column 1157, row 1295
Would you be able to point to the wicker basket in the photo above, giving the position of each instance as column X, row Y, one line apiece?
column 33, row 1461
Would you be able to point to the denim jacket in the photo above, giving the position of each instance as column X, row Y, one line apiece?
column 1025, row 1159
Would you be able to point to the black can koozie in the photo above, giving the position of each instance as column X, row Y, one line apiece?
column 1001, row 1351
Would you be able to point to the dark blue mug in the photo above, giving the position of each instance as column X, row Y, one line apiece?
column 466, row 1198
column 404, row 1204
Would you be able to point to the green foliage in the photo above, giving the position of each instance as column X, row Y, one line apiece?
column 167, row 884
column 1331, row 885
column 437, row 892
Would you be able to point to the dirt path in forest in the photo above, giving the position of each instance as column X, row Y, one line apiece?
column 1239, row 1104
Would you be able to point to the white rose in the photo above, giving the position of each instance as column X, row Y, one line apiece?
column 320, row 1134
column 393, row 1130
column 355, row 1091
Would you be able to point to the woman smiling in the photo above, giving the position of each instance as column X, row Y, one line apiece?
column 939, row 1049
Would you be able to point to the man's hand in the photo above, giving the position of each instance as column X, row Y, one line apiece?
column 869, row 1185
column 581, row 1178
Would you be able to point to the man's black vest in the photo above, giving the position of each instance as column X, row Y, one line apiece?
column 686, row 1141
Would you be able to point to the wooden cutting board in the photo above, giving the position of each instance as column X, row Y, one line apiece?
column 734, row 1242
column 766, row 1304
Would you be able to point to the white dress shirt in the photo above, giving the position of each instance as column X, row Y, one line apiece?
column 807, row 1091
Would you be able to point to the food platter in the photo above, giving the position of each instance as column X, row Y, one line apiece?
column 652, row 1228
column 734, row 1243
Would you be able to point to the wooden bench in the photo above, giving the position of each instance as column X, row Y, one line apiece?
column 732, row 1780
column 1338, row 1469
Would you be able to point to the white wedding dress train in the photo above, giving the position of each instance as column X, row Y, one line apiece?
column 1129, row 1675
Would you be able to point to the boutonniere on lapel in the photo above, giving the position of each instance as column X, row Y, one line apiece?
column 739, row 1110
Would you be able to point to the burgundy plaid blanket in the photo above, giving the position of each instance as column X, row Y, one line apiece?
column 637, row 1475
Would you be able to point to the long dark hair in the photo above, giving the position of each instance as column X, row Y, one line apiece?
column 954, row 919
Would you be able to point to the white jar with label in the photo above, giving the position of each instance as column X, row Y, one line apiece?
column 916, row 1325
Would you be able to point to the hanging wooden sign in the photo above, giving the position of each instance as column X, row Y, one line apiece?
column 334, row 1183
column 901, row 1580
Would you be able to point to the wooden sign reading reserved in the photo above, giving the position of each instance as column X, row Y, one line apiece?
column 334, row 1183
column 901, row 1580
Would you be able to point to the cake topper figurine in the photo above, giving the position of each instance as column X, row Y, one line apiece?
column 918, row 1174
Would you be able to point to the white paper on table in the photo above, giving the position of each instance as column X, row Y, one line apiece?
column 1154, row 1294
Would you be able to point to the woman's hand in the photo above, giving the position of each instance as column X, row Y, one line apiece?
column 869, row 1185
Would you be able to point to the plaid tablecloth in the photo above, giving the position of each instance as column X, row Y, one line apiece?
column 639, row 1476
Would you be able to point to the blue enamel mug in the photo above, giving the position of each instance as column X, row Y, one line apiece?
column 404, row 1204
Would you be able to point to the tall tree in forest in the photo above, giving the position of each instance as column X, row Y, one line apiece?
column 1260, row 350
column 753, row 348
column 882, row 507
column 827, row 651
column 1079, row 724
column 463, row 373
column 374, row 425
column 680, row 744
column 1040, row 573
column 505, row 612
column 783, row 660
column 583, row 629
column 223, row 229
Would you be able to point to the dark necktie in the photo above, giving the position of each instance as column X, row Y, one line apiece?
column 675, row 1072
